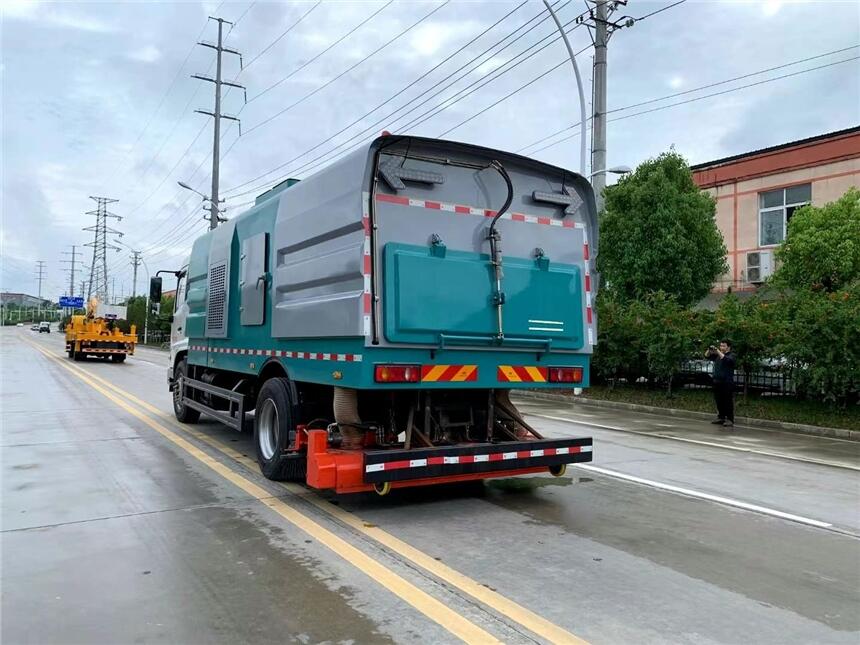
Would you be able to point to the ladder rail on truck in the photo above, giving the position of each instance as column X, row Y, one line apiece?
column 96, row 333
column 371, row 320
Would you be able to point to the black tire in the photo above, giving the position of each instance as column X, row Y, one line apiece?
column 273, row 426
column 79, row 356
column 118, row 358
column 183, row 413
column 71, row 351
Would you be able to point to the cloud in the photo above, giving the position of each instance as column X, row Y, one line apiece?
column 81, row 23
column 148, row 54
column 51, row 14
column 771, row 7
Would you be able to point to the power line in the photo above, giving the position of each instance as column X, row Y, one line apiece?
column 245, row 67
column 662, row 9
column 347, row 70
column 158, row 108
column 283, row 33
column 697, row 89
column 445, row 60
column 181, row 117
column 314, row 58
column 392, row 97
column 445, row 103
column 509, row 95
column 691, row 100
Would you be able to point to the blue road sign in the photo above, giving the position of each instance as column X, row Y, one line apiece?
column 71, row 301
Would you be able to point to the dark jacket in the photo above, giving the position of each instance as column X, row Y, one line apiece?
column 724, row 368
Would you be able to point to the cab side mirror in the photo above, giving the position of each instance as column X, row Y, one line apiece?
column 155, row 289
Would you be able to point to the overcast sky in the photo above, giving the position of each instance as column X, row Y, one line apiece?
column 97, row 99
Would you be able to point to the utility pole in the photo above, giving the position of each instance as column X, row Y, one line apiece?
column 602, row 29
column 98, row 283
column 40, row 276
column 135, row 262
column 598, row 122
column 71, row 270
column 214, row 201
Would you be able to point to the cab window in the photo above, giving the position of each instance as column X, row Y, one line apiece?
column 180, row 290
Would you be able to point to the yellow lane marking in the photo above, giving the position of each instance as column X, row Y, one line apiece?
column 510, row 374
column 535, row 374
column 515, row 612
column 422, row 601
column 435, row 373
column 464, row 372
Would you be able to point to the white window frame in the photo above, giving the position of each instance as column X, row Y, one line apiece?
column 783, row 209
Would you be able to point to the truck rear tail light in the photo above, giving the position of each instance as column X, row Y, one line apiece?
column 565, row 375
column 397, row 373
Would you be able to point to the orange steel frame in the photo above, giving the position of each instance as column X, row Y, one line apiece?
column 343, row 470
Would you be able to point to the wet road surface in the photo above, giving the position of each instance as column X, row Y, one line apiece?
column 120, row 525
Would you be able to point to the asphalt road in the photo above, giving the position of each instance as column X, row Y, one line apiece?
column 120, row 525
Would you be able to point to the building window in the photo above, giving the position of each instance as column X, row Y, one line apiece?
column 775, row 208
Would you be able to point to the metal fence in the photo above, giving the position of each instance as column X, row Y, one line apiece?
column 770, row 377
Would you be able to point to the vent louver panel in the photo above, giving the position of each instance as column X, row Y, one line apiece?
column 216, row 308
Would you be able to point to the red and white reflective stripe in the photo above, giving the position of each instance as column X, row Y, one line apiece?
column 472, row 210
column 367, row 263
column 589, row 314
column 311, row 356
column 474, row 459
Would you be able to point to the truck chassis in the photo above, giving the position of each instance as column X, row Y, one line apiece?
column 315, row 454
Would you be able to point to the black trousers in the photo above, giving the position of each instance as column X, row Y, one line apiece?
column 724, row 397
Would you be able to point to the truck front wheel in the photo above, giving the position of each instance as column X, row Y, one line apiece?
column 273, row 424
column 183, row 413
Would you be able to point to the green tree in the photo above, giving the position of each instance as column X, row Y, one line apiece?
column 753, row 333
column 822, row 248
column 658, row 232
column 619, row 352
column 671, row 333
column 822, row 342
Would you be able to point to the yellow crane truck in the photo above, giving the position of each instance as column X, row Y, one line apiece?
column 96, row 333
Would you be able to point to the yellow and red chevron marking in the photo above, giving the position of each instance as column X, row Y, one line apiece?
column 522, row 374
column 448, row 373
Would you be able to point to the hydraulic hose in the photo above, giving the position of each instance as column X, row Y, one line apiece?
column 496, row 248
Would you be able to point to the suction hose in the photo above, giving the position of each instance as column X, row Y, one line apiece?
column 346, row 416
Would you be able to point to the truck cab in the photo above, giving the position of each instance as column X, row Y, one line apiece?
column 178, row 338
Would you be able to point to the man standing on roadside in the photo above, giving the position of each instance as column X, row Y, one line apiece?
column 724, row 382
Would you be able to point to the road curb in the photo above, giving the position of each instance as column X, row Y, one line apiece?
column 765, row 424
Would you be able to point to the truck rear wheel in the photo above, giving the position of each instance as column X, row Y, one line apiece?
column 182, row 412
column 273, row 424
column 118, row 358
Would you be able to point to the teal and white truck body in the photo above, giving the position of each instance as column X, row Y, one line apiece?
column 390, row 280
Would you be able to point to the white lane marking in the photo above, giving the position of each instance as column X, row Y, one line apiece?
column 707, row 496
column 713, row 444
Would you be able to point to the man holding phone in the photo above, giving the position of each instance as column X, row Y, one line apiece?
column 724, row 382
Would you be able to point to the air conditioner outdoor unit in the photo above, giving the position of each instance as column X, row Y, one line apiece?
column 759, row 266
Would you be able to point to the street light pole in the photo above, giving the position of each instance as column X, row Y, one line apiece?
column 582, row 118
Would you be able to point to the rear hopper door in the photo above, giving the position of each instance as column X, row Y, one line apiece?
column 437, row 280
